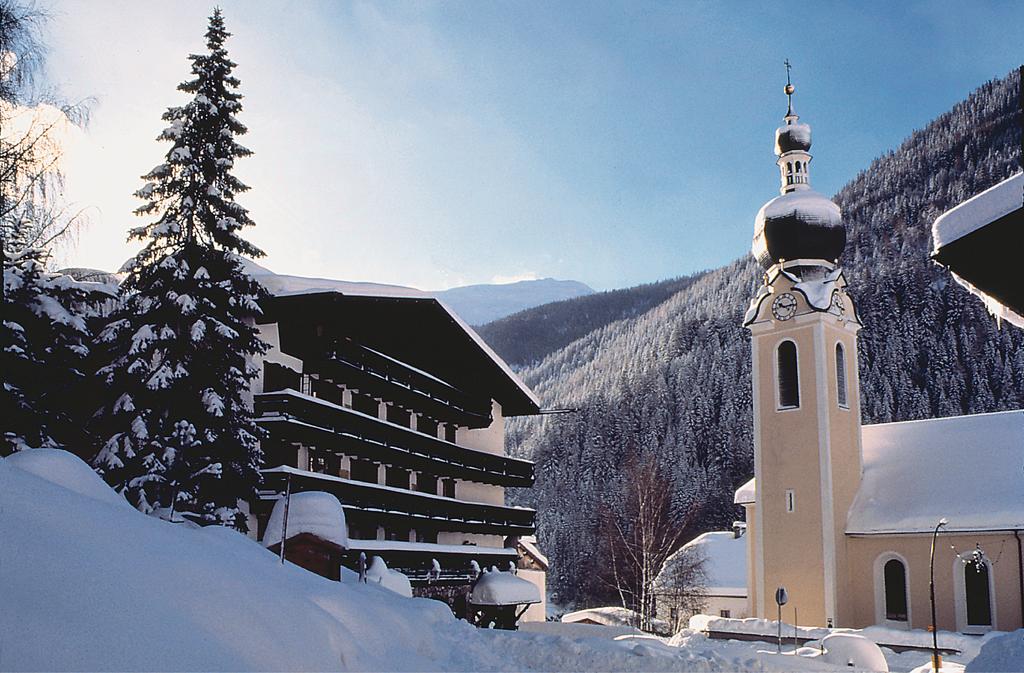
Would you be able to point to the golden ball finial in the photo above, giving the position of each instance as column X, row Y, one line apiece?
column 790, row 89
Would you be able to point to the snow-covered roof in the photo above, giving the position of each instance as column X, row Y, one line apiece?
column 501, row 588
column 294, row 286
column 529, row 545
column 725, row 562
column 974, row 213
column 611, row 616
column 745, row 494
column 313, row 512
column 807, row 204
column 967, row 469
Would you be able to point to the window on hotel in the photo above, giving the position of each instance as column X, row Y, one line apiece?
column 397, row 477
column 788, row 375
column 397, row 534
column 724, row 613
column 790, row 501
column 427, row 536
column 399, row 416
column 317, row 462
column 427, row 426
column 448, row 486
column 895, row 578
column 426, row 483
column 365, row 404
column 364, row 470
column 450, row 432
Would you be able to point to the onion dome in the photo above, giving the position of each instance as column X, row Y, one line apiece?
column 790, row 137
column 801, row 223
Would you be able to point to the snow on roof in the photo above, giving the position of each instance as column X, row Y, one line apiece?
column 819, row 290
column 313, row 512
column 974, row 213
column 745, row 494
column 379, row 572
column 68, row 470
column 610, row 616
column 500, row 588
column 811, row 206
column 725, row 562
column 966, row 469
column 296, row 285
column 529, row 545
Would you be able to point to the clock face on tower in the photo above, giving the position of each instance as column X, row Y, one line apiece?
column 784, row 306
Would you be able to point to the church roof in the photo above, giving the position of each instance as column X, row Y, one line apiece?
column 968, row 469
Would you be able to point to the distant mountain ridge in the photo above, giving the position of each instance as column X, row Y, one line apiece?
column 673, row 380
column 480, row 304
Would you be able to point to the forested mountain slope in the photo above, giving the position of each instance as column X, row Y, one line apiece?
column 526, row 337
column 674, row 381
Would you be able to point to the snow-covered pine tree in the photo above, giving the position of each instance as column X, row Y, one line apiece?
column 177, row 430
column 44, row 342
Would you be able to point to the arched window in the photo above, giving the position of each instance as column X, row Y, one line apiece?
column 895, row 579
column 805, row 166
column 977, row 596
column 789, row 384
column 798, row 167
column 789, row 166
column 841, row 376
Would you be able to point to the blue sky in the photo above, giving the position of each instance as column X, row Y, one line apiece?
column 441, row 144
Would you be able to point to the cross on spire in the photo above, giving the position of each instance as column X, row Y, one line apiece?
column 789, row 88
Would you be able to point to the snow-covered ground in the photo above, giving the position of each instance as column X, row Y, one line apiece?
column 89, row 584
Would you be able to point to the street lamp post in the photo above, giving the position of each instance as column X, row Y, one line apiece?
column 931, row 590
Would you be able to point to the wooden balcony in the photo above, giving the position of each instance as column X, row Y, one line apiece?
column 290, row 416
column 374, row 504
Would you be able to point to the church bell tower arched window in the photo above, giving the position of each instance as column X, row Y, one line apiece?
column 788, row 375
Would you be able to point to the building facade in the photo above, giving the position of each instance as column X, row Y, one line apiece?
column 842, row 516
column 395, row 406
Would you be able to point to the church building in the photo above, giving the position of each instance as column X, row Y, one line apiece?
column 843, row 515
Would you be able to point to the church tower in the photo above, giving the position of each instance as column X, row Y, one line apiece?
column 807, row 456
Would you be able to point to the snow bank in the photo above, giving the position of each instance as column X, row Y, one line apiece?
column 379, row 573
column 974, row 213
column 853, row 650
column 498, row 588
column 312, row 512
column 87, row 586
column 1003, row 654
column 68, row 470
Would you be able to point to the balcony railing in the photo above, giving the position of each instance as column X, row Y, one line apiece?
column 368, row 371
column 387, row 506
column 292, row 416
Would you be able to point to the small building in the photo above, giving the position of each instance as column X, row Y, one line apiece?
column 385, row 399
column 533, row 567
column 312, row 526
column 722, row 559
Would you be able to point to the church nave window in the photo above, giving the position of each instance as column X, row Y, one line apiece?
column 895, row 580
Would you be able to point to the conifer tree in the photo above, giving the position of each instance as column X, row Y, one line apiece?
column 177, row 430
